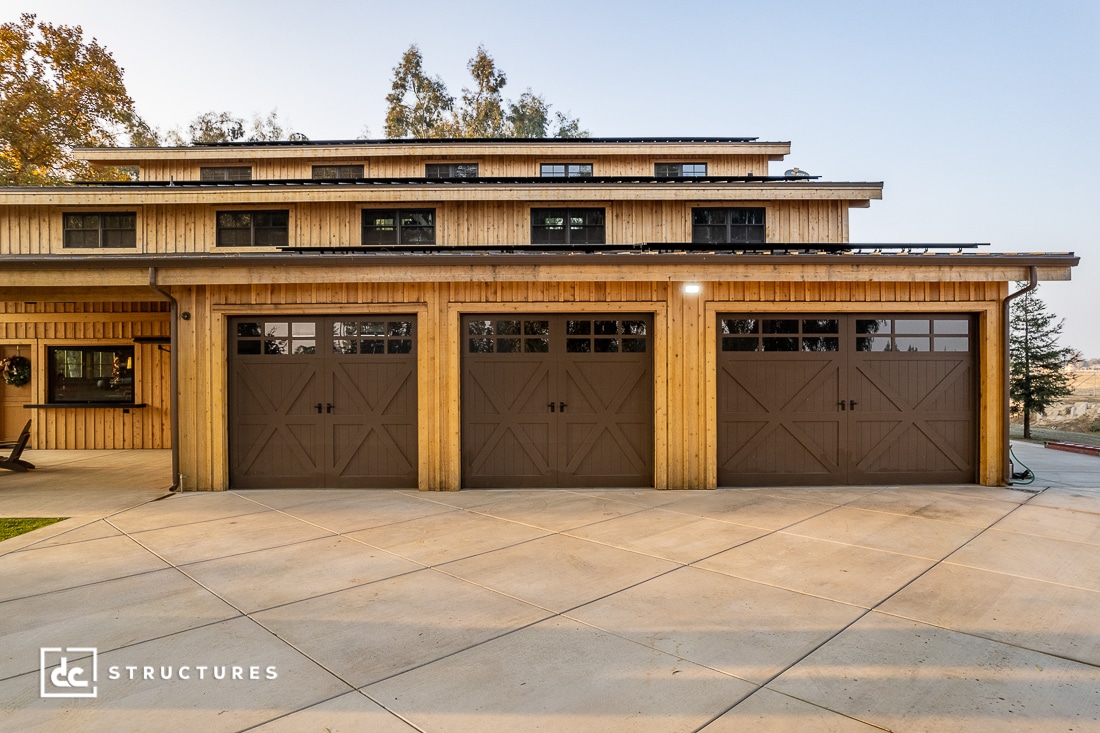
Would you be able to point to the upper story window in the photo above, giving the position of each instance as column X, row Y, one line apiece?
column 100, row 230
column 398, row 226
column 253, row 228
column 337, row 172
column 679, row 170
column 450, row 170
column 90, row 373
column 565, row 170
column 728, row 226
column 226, row 173
column 567, row 226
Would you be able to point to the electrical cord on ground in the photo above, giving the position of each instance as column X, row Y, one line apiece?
column 1020, row 478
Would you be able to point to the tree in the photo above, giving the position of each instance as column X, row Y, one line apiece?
column 224, row 127
column 1036, row 378
column 420, row 107
column 482, row 111
column 57, row 92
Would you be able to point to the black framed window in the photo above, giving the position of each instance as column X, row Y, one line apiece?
column 568, row 226
column 253, row 228
column 679, row 170
column 398, row 226
column 337, row 172
column 728, row 226
column 82, row 374
column 450, row 170
column 565, row 170
column 226, row 173
column 98, row 230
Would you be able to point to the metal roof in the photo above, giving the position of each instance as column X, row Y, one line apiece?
column 615, row 255
column 476, row 181
column 487, row 141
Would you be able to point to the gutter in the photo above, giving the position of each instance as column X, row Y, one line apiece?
column 173, row 360
column 1034, row 283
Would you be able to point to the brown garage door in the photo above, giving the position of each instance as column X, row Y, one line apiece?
column 845, row 399
column 322, row 402
column 557, row 401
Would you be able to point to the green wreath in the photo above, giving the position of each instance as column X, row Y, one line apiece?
column 16, row 370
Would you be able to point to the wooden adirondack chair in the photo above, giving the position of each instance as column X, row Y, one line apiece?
column 13, row 461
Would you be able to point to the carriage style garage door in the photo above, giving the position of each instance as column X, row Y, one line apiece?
column 557, row 401
column 322, row 402
column 838, row 399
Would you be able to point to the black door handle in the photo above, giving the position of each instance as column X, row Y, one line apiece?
column 328, row 407
column 842, row 405
column 318, row 406
column 561, row 407
column 550, row 405
column 852, row 404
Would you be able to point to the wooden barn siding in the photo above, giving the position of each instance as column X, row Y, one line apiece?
column 50, row 324
column 684, row 354
column 179, row 228
column 488, row 166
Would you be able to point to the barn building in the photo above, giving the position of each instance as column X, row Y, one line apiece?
column 446, row 314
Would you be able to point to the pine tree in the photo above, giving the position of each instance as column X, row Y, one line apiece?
column 1037, row 378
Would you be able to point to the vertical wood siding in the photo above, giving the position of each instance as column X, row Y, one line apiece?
column 52, row 324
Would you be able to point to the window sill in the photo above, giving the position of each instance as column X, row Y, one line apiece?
column 86, row 405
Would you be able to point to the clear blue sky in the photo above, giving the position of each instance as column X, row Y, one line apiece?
column 981, row 117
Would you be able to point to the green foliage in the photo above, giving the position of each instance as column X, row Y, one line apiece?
column 13, row 527
column 224, row 127
column 420, row 107
column 57, row 92
column 1037, row 378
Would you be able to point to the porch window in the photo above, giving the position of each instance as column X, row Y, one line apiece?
column 83, row 374
column 253, row 228
column 398, row 226
column 679, row 170
column 728, row 226
column 100, row 230
column 568, row 226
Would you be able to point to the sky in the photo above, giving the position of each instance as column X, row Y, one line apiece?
column 980, row 117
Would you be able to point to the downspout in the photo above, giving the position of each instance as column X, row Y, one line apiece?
column 1006, row 466
column 173, row 379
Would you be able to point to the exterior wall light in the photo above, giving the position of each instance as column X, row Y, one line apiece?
column 692, row 288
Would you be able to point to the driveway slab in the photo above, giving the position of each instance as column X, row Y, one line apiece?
column 1047, row 617
column 745, row 629
column 34, row 571
column 766, row 711
column 558, row 572
column 370, row 632
column 112, row 614
column 906, row 676
column 441, row 538
column 174, row 704
column 560, row 675
column 832, row 570
column 670, row 535
column 261, row 579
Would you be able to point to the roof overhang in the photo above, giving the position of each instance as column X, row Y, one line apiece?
column 358, row 150
column 274, row 193
column 66, row 277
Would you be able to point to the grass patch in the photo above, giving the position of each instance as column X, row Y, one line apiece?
column 13, row 527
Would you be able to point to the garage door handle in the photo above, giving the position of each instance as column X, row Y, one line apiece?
column 852, row 404
column 550, row 405
column 561, row 407
column 328, row 407
column 842, row 405
column 318, row 406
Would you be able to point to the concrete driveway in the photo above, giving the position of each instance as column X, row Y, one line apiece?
column 843, row 609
